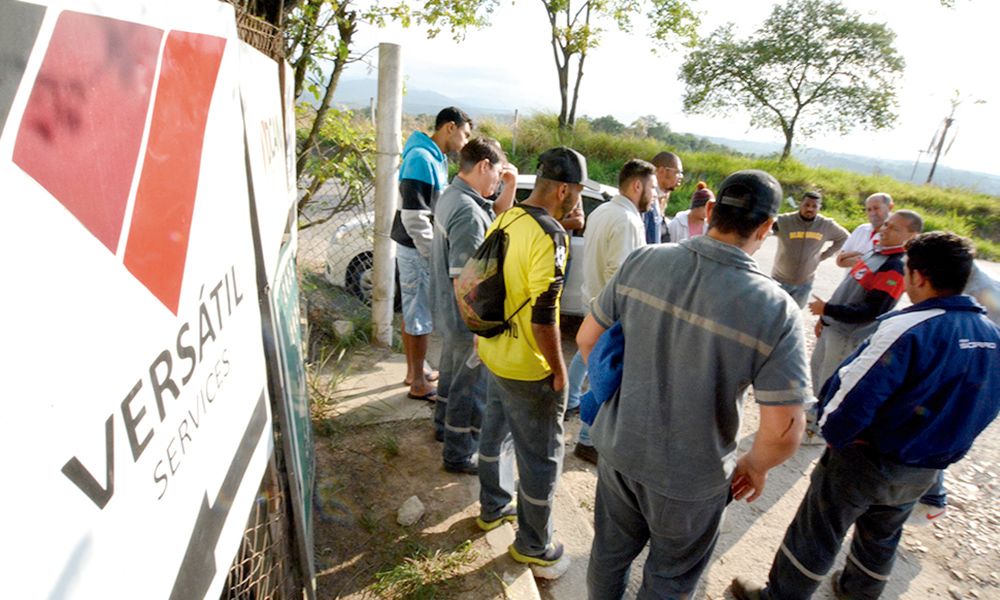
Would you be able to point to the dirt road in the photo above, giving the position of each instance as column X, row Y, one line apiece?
column 365, row 474
column 959, row 557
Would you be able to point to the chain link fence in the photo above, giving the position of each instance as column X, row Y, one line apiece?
column 336, row 263
column 263, row 567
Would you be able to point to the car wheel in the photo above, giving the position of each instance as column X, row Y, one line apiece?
column 359, row 280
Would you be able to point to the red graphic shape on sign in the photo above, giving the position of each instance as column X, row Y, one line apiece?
column 161, row 219
column 80, row 133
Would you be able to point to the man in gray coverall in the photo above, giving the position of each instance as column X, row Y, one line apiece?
column 461, row 216
column 694, row 342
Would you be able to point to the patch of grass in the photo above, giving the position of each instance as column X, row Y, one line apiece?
column 422, row 575
column 965, row 212
column 324, row 427
column 368, row 522
column 323, row 376
column 388, row 443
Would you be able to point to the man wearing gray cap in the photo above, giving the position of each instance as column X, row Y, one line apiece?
column 694, row 341
column 526, row 385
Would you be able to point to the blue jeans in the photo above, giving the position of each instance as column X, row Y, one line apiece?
column 627, row 515
column 575, row 378
column 523, row 422
column 461, row 394
column 577, row 375
column 849, row 486
column 415, row 288
column 799, row 293
column 936, row 495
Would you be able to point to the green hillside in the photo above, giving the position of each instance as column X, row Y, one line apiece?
column 964, row 212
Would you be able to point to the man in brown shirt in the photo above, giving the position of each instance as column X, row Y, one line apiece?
column 801, row 237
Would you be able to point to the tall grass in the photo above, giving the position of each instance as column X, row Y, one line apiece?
column 964, row 212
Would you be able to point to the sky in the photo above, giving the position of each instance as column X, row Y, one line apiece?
column 511, row 63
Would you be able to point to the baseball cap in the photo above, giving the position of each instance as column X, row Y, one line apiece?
column 751, row 190
column 565, row 165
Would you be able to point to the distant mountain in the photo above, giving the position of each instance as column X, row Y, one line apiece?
column 357, row 93
column 897, row 169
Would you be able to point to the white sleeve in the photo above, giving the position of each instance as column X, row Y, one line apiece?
column 856, row 241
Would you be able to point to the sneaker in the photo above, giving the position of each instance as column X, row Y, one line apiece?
column 507, row 515
column 585, row 452
column 550, row 565
column 744, row 589
column 571, row 412
column 925, row 514
column 469, row 467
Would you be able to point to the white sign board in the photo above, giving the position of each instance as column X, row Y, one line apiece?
column 262, row 96
column 139, row 427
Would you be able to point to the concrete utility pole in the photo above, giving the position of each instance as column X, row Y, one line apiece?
column 388, row 146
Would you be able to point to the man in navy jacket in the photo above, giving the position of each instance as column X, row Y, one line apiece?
column 908, row 402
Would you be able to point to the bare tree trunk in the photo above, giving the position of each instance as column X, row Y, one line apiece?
column 579, row 72
column 576, row 91
column 563, row 95
column 347, row 25
column 307, row 32
column 789, row 130
column 562, row 67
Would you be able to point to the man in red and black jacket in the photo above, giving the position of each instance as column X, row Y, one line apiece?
column 869, row 290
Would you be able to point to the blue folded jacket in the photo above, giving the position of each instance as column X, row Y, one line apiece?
column 604, row 369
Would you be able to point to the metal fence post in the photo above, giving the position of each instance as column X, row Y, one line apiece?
column 388, row 147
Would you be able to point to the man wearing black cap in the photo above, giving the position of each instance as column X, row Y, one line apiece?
column 701, row 323
column 526, row 386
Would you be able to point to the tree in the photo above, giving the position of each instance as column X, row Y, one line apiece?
column 811, row 66
column 574, row 32
column 607, row 124
column 319, row 44
column 650, row 126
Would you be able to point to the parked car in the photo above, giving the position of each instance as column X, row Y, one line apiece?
column 350, row 263
column 571, row 302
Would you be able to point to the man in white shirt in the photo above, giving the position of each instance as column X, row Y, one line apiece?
column 669, row 175
column 614, row 230
column 864, row 239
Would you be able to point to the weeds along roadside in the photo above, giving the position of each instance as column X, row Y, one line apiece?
column 961, row 211
column 337, row 326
